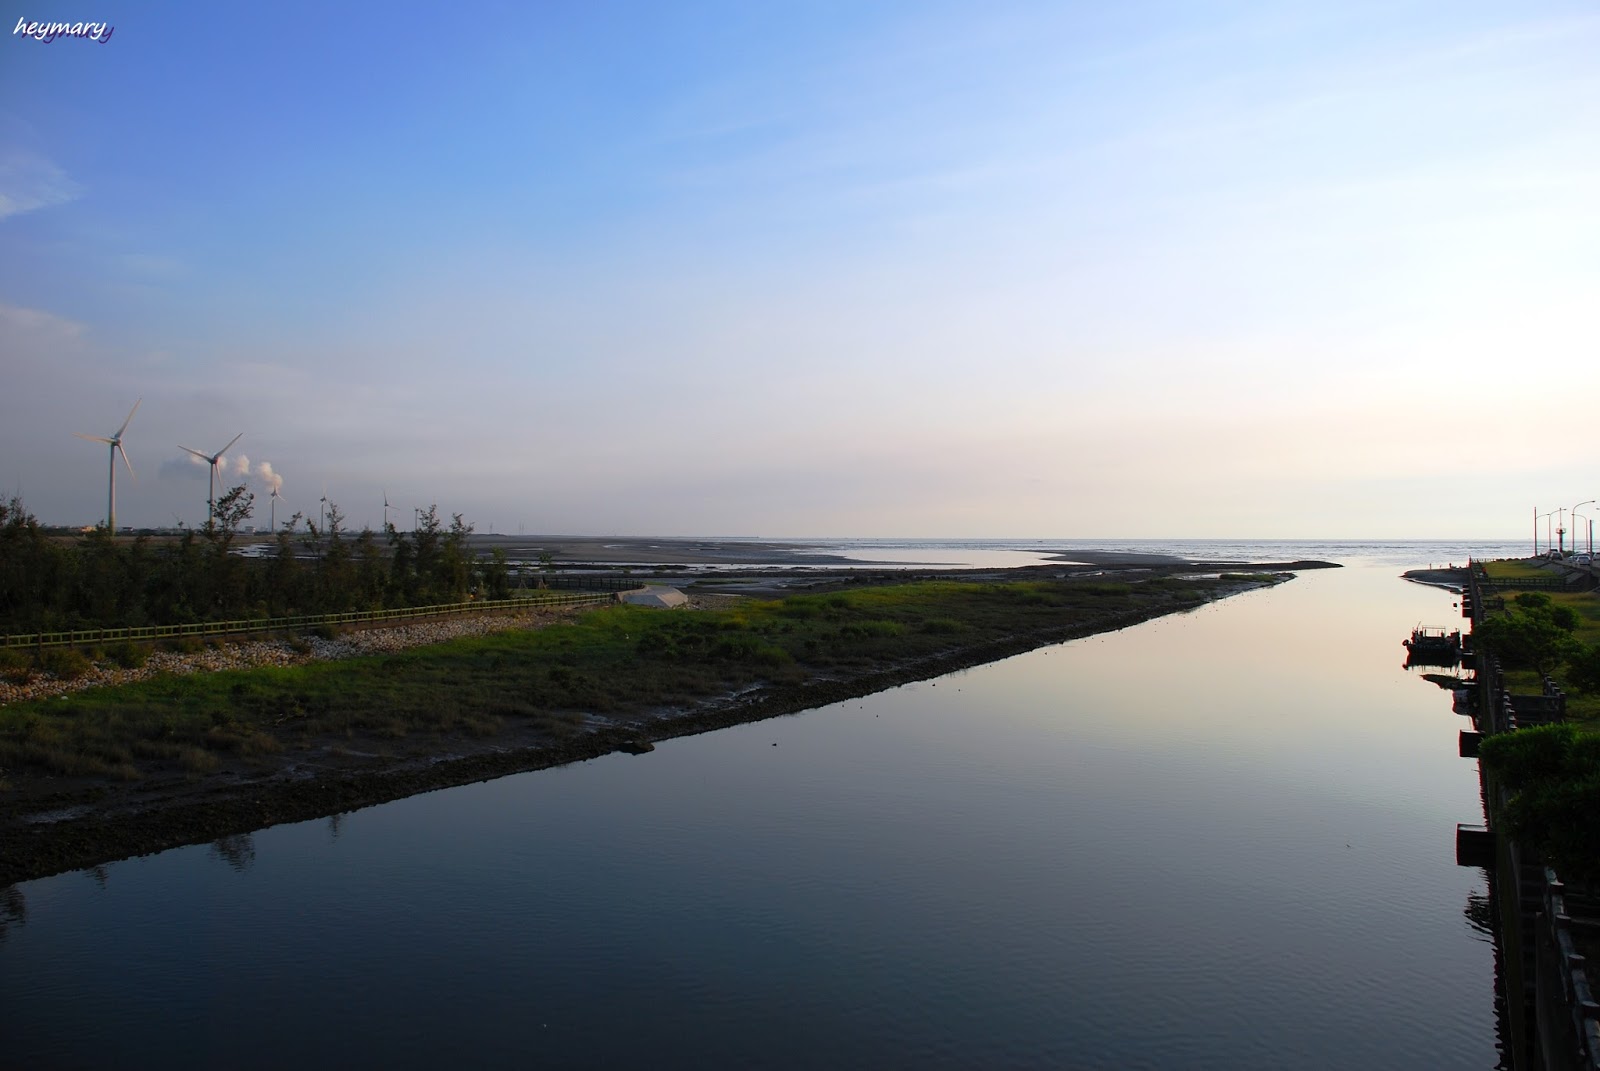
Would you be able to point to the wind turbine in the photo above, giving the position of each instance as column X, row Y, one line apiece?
column 323, row 509
column 211, row 460
column 274, row 510
column 115, row 442
column 386, row 509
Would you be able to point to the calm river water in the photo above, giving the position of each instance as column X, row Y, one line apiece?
column 1217, row 840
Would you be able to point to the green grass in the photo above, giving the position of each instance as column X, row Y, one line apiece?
column 1587, row 606
column 1516, row 569
column 620, row 661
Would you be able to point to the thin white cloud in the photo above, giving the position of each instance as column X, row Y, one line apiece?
column 39, row 324
column 29, row 183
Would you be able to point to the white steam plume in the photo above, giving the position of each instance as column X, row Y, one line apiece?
column 271, row 479
column 241, row 466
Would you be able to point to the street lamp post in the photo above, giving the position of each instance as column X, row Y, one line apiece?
column 1575, row 530
column 1545, row 517
column 1590, row 502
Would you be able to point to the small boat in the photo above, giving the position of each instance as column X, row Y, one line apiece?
column 1433, row 641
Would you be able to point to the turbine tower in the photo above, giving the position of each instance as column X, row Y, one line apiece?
column 211, row 460
column 115, row 442
column 274, row 510
column 386, row 509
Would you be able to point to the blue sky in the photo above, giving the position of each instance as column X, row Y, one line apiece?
column 1046, row 269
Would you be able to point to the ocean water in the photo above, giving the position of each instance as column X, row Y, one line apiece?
column 1222, row 839
column 985, row 553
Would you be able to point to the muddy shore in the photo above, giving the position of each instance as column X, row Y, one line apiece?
column 91, row 825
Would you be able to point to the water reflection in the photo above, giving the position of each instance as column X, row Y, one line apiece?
column 1092, row 855
column 1479, row 913
column 13, row 909
column 1503, row 1043
column 238, row 850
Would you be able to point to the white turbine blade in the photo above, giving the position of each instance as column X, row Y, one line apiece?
column 126, row 462
column 235, row 439
column 95, row 438
column 125, row 423
column 207, row 458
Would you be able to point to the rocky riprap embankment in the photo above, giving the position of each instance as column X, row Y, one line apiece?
column 246, row 654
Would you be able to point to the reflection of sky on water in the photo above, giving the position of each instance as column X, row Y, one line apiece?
column 1155, row 847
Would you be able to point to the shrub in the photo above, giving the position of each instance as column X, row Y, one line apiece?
column 15, row 666
column 65, row 663
column 1552, row 773
column 1527, row 637
column 128, row 655
column 1584, row 670
column 1523, row 757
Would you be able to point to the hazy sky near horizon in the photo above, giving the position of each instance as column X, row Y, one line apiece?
column 1063, row 269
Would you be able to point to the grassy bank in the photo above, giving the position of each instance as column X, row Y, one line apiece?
column 1551, row 773
column 1510, row 569
column 184, row 760
column 1582, row 708
column 620, row 663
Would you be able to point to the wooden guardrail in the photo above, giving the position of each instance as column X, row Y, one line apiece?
column 148, row 633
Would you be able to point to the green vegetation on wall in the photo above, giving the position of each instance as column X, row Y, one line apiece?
column 1552, row 777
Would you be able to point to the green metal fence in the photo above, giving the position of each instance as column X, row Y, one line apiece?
column 1526, row 583
column 147, row 633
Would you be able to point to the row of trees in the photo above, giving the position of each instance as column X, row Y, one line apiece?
column 96, row 581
